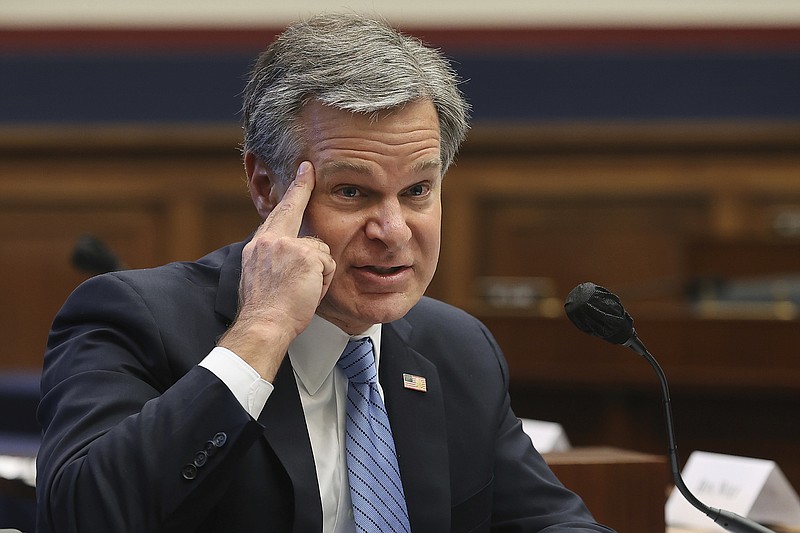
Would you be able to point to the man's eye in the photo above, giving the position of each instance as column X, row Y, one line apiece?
column 348, row 192
column 420, row 189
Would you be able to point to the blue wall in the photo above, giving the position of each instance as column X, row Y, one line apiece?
column 505, row 85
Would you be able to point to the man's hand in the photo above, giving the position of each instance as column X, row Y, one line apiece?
column 284, row 277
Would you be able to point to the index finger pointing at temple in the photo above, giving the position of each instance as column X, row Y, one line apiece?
column 287, row 217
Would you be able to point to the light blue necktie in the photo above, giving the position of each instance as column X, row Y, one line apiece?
column 375, row 486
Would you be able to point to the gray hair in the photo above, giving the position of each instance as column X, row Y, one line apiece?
column 352, row 63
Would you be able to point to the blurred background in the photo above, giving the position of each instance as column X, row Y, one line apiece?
column 652, row 147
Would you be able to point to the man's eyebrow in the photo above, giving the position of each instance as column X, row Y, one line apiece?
column 435, row 164
column 334, row 166
column 350, row 166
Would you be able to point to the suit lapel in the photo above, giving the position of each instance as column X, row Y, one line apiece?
column 285, row 429
column 419, row 430
column 283, row 418
column 417, row 418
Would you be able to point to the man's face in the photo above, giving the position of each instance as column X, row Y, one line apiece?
column 377, row 204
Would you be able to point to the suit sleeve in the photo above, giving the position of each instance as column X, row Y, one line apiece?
column 527, row 495
column 130, row 437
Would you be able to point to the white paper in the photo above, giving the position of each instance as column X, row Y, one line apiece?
column 753, row 488
column 21, row 468
column 546, row 436
column 778, row 502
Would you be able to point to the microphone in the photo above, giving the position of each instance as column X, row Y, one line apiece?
column 597, row 311
column 91, row 255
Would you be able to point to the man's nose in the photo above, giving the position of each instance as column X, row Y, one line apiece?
column 388, row 224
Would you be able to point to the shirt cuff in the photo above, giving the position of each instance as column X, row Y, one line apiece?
column 243, row 381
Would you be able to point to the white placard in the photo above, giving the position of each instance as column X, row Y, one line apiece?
column 22, row 468
column 753, row 488
column 546, row 436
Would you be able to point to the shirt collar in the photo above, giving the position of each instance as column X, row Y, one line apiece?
column 316, row 350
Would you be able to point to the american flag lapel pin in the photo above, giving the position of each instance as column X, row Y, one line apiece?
column 417, row 383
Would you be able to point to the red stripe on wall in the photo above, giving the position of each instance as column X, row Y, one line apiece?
column 505, row 40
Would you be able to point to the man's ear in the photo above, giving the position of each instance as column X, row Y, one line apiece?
column 266, row 189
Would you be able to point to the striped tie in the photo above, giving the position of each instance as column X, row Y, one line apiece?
column 375, row 486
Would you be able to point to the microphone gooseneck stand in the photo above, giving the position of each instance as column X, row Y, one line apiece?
column 599, row 312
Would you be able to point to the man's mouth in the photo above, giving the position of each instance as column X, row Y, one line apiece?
column 383, row 271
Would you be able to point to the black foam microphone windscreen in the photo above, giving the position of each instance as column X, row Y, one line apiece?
column 597, row 311
column 93, row 256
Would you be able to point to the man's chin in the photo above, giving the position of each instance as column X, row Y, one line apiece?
column 361, row 312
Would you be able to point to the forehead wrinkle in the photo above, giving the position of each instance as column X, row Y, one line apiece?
column 414, row 141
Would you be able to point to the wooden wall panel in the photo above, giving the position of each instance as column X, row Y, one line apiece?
column 627, row 217
column 150, row 202
column 641, row 213
column 619, row 242
column 36, row 245
column 734, row 383
column 644, row 211
column 228, row 221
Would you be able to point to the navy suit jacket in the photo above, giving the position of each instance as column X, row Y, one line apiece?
column 137, row 437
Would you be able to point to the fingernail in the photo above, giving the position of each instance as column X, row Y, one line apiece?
column 304, row 167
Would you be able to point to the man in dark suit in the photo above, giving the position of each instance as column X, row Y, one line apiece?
column 169, row 401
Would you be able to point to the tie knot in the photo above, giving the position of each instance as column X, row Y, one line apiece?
column 358, row 361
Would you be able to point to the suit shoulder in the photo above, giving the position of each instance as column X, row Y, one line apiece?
column 434, row 317
column 166, row 276
column 165, row 288
column 204, row 272
column 438, row 330
column 431, row 309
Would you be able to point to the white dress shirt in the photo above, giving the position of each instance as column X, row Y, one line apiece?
column 323, row 393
